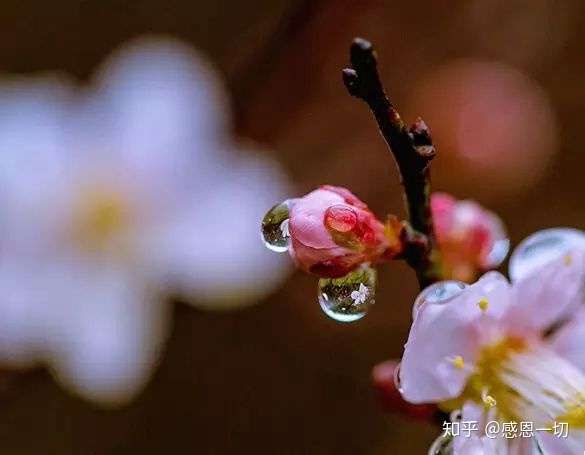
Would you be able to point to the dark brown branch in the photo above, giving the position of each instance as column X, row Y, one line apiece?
column 412, row 149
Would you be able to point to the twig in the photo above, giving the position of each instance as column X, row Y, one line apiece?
column 412, row 149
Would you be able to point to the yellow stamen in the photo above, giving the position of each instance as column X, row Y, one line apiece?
column 458, row 362
column 483, row 304
column 488, row 400
column 100, row 215
column 575, row 415
column 485, row 377
column 568, row 260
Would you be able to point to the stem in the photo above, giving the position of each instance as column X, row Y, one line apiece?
column 412, row 149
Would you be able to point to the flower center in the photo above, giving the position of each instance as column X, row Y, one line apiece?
column 526, row 382
column 99, row 216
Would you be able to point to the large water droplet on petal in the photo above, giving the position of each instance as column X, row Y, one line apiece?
column 347, row 299
column 443, row 445
column 275, row 230
column 437, row 293
column 542, row 247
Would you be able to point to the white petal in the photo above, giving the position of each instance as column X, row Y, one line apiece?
column 441, row 333
column 33, row 160
column 22, row 325
column 213, row 249
column 570, row 340
column 553, row 445
column 549, row 293
column 105, row 334
column 159, row 108
column 32, row 115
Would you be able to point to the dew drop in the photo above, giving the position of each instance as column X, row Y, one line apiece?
column 275, row 229
column 437, row 293
column 397, row 379
column 542, row 247
column 348, row 298
column 443, row 445
column 498, row 253
column 455, row 415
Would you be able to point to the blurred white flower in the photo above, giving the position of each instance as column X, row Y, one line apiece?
column 111, row 199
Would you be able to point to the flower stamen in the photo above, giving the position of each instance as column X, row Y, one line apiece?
column 483, row 304
column 458, row 362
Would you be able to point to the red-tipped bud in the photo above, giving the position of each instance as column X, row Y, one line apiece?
column 470, row 238
column 332, row 232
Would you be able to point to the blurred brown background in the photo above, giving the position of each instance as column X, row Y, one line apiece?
column 280, row 377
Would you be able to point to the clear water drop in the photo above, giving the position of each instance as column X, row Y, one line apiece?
column 498, row 253
column 542, row 247
column 275, row 229
column 347, row 299
column 455, row 415
column 397, row 379
column 443, row 445
column 437, row 293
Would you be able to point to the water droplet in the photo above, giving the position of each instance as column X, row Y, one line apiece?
column 498, row 253
column 397, row 379
column 347, row 299
column 275, row 229
column 490, row 280
column 542, row 247
column 455, row 415
column 437, row 293
column 443, row 445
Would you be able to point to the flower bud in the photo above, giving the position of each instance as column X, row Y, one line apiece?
column 332, row 232
column 470, row 238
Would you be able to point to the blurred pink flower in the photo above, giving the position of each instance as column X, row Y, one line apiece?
column 471, row 239
column 332, row 232
column 489, row 120
column 487, row 347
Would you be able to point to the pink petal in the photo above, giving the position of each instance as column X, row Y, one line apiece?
column 307, row 219
column 442, row 207
column 547, row 294
column 441, row 332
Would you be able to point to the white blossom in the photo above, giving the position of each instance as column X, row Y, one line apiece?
column 113, row 197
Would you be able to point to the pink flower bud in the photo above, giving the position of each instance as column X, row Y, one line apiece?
column 470, row 238
column 332, row 232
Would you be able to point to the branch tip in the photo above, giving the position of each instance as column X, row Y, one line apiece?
column 362, row 52
column 351, row 81
column 412, row 149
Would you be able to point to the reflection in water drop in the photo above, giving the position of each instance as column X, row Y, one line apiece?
column 347, row 299
column 542, row 247
column 275, row 229
column 437, row 293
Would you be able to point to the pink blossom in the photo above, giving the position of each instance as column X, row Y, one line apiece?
column 332, row 232
column 470, row 238
column 488, row 347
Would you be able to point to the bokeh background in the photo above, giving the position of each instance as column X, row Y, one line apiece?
column 500, row 84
